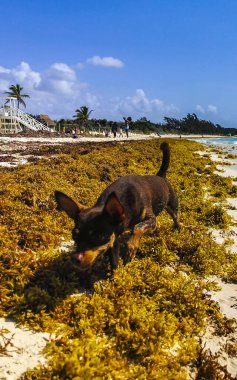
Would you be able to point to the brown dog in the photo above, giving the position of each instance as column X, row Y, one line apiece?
column 129, row 204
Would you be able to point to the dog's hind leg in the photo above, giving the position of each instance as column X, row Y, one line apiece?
column 175, row 216
column 173, row 206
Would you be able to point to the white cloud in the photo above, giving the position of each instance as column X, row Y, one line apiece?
column 61, row 71
column 140, row 105
column 4, row 71
column 200, row 109
column 4, row 85
column 22, row 74
column 92, row 100
column 211, row 108
column 59, row 78
column 105, row 61
column 58, row 91
column 25, row 75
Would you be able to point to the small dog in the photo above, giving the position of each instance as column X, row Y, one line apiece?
column 131, row 203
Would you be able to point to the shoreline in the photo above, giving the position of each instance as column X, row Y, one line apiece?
column 99, row 137
column 226, row 297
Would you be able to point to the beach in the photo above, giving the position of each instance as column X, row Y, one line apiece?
column 26, row 346
column 15, row 150
column 20, row 149
column 227, row 296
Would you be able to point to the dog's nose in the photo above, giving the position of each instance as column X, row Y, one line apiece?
column 78, row 257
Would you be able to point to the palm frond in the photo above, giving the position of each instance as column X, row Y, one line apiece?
column 15, row 92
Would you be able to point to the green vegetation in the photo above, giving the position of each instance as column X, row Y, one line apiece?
column 82, row 115
column 144, row 322
column 15, row 91
column 190, row 124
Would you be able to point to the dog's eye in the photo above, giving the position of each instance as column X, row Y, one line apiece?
column 75, row 233
column 96, row 236
column 99, row 238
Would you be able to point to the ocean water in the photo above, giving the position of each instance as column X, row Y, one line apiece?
column 229, row 146
column 227, row 142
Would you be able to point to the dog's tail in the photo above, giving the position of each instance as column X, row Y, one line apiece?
column 166, row 159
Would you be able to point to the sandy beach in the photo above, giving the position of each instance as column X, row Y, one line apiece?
column 18, row 149
column 15, row 150
column 25, row 349
column 227, row 296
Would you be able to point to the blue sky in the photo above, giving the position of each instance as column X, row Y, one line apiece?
column 151, row 58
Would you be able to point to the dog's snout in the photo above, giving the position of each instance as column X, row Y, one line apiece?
column 78, row 257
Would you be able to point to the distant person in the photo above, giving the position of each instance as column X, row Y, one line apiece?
column 74, row 134
column 127, row 122
column 114, row 129
column 120, row 132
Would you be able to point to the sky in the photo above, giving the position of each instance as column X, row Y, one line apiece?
column 138, row 58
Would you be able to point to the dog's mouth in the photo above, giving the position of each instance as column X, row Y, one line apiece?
column 86, row 258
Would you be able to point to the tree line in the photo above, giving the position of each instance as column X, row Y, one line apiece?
column 190, row 124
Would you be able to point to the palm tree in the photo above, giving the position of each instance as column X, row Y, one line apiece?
column 15, row 92
column 82, row 115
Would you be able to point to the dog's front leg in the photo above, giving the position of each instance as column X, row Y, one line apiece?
column 148, row 224
column 126, row 244
column 119, row 249
column 114, row 257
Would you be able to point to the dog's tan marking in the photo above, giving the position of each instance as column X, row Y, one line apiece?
column 143, row 215
column 90, row 255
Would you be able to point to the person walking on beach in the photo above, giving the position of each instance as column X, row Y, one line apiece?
column 127, row 123
column 114, row 129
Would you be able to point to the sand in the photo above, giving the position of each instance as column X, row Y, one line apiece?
column 14, row 149
column 227, row 296
column 23, row 352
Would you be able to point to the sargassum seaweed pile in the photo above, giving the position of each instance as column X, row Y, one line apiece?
column 146, row 321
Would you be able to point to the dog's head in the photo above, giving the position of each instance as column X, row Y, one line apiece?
column 95, row 227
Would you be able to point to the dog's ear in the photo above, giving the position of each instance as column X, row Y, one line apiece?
column 67, row 204
column 114, row 208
